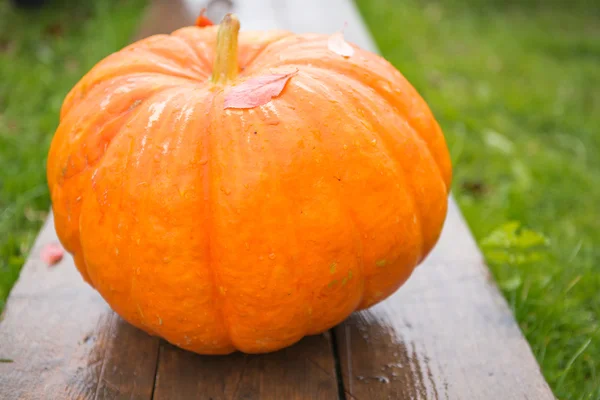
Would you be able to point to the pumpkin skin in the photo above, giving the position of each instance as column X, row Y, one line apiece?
column 245, row 229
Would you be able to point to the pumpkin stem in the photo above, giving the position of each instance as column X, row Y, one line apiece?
column 226, row 60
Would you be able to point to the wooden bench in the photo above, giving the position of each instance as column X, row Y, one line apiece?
column 447, row 334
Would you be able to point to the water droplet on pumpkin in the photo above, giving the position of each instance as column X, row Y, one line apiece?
column 385, row 85
column 203, row 161
column 272, row 256
column 260, row 258
column 225, row 190
column 345, row 147
column 374, row 141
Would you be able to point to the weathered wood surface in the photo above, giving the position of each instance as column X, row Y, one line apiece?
column 447, row 334
column 59, row 339
column 303, row 371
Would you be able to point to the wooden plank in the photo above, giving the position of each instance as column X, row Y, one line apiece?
column 303, row 371
column 448, row 333
column 63, row 341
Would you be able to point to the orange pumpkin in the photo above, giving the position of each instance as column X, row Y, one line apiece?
column 224, row 228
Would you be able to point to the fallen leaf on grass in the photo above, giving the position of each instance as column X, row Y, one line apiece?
column 52, row 253
column 338, row 44
column 257, row 91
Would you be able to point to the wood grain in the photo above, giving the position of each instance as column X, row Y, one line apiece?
column 64, row 342
column 303, row 371
column 447, row 334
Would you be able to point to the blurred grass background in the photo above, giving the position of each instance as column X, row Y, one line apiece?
column 43, row 53
column 516, row 88
column 514, row 84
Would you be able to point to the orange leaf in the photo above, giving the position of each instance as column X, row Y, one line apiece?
column 52, row 253
column 203, row 20
column 257, row 91
column 338, row 45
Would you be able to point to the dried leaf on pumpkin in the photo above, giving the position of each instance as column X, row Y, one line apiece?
column 257, row 91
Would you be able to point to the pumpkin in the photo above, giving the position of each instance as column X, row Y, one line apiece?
column 239, row 191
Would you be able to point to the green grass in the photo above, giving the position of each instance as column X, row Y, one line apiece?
column 516, row 88
column 42, row 55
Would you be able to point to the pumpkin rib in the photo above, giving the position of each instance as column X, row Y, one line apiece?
column 363, row 101
column 237, row 150
column 134, row 113
column 62, row 182
column 124, row 116
column 209, row 198
column 313, row 49
column 142, row 321
column 269, row 112
column 168, row 55
column 197, row 39
column 257, row 62
column 265, row 48
column 194, row 50
column 414, row 136
column 171, row 47
column 93, row 163
column 329, row 69
column 401, row 170
column 107, row 69
column 361, row 273
column 359, row 99
column 83, row 96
